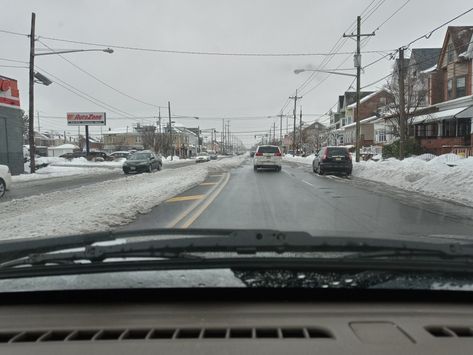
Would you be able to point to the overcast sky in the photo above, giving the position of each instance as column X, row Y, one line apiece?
column 245, row 90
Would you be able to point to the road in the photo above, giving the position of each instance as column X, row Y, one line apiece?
column 63, row 183
column 297, row 199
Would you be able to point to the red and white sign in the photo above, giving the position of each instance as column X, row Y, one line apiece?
column 86, row 118
column 9, row 94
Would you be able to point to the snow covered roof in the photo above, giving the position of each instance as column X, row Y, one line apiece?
column 429, row 70
column 438, row 116
column 366, row 98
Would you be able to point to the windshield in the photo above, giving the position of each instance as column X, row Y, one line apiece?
column 296, row 143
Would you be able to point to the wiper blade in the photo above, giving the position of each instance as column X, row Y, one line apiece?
column 182, row 250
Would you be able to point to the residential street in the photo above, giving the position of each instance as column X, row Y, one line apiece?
column 63, row 183
column 299, row 200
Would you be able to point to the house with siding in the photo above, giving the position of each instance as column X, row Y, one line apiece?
column 448, row 125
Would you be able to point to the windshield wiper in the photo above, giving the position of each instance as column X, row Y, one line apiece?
column 193, row 249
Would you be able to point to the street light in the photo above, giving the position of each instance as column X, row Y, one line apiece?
column 357, row 120
column 43, row 80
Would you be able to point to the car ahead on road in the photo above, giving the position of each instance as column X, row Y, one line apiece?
column 202, row 157
column 120, row 154
column 267, row 156
column 5, row 179
column 332, row 160
column 142, row 161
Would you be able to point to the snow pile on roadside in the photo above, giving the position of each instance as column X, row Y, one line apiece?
column 304, row 160
column 87, row 163
column 52, row 171
column 447, row 176
column 99, row 206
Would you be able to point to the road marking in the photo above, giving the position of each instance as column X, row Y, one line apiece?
column 188, row 210
column 206, row 203
column 186, row 198
column 215, row 175
column 208, row 183
column 308, row 183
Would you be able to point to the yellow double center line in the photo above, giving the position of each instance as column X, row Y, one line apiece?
column 202, row 202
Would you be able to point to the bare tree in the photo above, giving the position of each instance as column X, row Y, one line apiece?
column 415, row 92
column 26, row 125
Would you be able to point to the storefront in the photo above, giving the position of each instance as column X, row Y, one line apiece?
column 11, row 126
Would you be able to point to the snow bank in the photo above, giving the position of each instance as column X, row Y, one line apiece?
column 447, row 176
column 304, row 160
column 99, row 206
column 52, row 171
column 87, row 163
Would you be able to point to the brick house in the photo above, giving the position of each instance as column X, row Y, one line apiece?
column 448, row 127
column 369, row 106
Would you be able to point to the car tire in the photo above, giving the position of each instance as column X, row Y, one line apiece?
column 255, row 168
column 159, row 167
column 314, row 169
column 3, row 188
column 320, row 171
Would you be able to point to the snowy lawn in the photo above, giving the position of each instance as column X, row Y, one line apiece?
column 99, row 206
column 307, row 160
column 447, row 176
column 52, row 171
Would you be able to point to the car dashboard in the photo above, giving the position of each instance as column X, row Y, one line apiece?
column 115, row 325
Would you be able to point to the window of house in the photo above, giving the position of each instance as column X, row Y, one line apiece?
column 381, row 135
column 138, row 139
column 449, row 128
column 464, row 127
column 460, row 86
column 382, row 101
column 450, row 53
column 450, row 89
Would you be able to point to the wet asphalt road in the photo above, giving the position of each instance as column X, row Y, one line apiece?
column 64, row 183
column 297, row 199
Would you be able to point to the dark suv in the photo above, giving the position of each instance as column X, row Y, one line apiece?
column 332, row 160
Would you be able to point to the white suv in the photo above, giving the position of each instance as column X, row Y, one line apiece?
column 267, row 156
column 5, row 179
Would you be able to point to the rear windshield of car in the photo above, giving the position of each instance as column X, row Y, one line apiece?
column 140, row 156
column 332, row 152
column 268, row 150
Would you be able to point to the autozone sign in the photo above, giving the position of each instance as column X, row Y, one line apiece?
column 86, row 119
column 9, row 94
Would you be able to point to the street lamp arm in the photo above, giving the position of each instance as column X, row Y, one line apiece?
column 298, row 71
column 107, row 50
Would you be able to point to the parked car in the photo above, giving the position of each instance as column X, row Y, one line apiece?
column 98, row 156
column 332, row 159
column 5, row 179
column 202, row 157
column 142, row 161
column 267, row 156
column 120, row 154
column 73, row 155
column 212, row 155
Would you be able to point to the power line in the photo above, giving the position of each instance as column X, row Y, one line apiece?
column 429, row 34
column 14, row 33
column 13, row 60
column 187, row 52
column 84, row 95
column 101, row 81
column 392, row 15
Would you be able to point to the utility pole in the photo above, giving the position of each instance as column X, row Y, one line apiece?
column 280, row 129
column 31, row 96
column 300, row 129
column 170, row 131
column 274, row 132
column 402, row 113
column 295, row 113
column 357, row 61
column 223, row 135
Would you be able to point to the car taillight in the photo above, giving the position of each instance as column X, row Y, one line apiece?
column 259, row 154
column 349, row 156
column 324, row 157
column 278, row 154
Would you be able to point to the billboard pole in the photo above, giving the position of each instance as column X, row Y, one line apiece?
column 87, row 148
